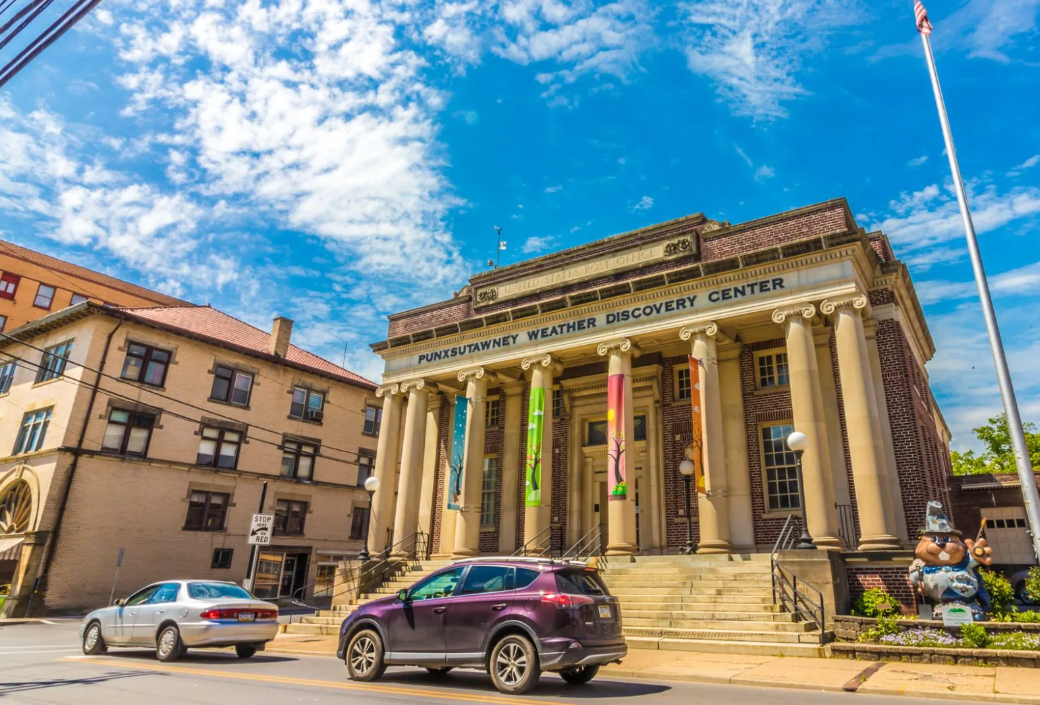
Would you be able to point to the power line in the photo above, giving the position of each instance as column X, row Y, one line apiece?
column 50, row 35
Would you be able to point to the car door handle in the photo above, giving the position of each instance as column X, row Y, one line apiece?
column 499, row 607
column 440, row 610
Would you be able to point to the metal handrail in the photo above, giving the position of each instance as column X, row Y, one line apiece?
column 541, row 541
column 786, row 592
column 591, row 544
column 297, row 597
column 393, row 557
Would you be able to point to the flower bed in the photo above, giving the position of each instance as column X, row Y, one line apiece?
column 944, row 655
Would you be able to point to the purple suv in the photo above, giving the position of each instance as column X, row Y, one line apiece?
column 512, row 617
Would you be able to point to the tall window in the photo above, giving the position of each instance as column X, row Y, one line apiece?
column 219, row 447
column 307, row 404
column 7, row 376
column 780, row 468
column 357, row 523
column 373, row 420
column 146, row 364
column 639, row 422
column 78, row 299
column 128, row 432
column 289, row 517
column 487, row 492
column 772, row 370
column 682, row 383
column 53, row 363
column 298, row 459
column 206, row 511
column 493, row 410
column 8, row 285
column 33, row 431
column 365, row 467
column 44, row 296
column 3, row 322
column 232, row 386
column 596, row 434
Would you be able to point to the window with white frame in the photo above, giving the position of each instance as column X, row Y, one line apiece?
column 682, row 383
column 493, row 410
column 7, row 376
column 780, row 466
column 487, row 492
column 773, row 370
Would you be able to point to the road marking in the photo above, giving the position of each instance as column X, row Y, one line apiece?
column 37, row 651
column 389, row 689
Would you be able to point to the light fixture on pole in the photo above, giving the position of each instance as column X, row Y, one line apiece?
column 687, row 468
column 798, row 442
column 371, row 486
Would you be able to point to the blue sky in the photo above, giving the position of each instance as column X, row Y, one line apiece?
column 337, row 160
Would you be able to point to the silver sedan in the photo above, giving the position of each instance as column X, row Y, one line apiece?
column 176, row 614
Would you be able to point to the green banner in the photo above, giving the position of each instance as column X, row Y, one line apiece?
column 533, row 467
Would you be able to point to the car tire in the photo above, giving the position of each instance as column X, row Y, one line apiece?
column 364, row 657
column 245, row 650
column 93, row 641
column 580, row 675
column 514, row 665
column 443, row 671
column 168, row 646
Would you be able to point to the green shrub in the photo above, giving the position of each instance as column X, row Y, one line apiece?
column 1017, row 641
column 875, row 602
column 1001, row 594
column 975, row 636
column 1026, row 617
column 884, row 627
column 1033, row 584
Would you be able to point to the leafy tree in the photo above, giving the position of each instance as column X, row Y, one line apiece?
column 998, row 456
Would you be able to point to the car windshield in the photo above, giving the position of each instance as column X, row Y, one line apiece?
column 216, row 591
column 579, row 583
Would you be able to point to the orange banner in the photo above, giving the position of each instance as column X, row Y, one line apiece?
column 698, row 425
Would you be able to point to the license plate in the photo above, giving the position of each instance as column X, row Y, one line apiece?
column 247, row 616
column 604, row 611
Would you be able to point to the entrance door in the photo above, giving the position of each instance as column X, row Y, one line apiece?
column 602, row 513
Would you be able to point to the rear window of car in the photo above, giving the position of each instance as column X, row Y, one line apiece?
column 580, row 582
column 216, row 591
column 524, row 577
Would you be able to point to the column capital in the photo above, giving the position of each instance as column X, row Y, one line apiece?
column 388, row 390
column 707, row 329
column 418, row 385
column 793, row 312
column 545, row 360
column 477, row 373
column 623, row 345
column 854, row 302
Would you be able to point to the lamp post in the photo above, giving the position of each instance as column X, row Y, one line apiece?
column 371, row 485
column 798, row 442
column 686, row 468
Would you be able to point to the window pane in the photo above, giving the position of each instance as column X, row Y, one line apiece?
column 132, row 368
column 119, row 416
column 138, row 442
column 597, row 433
column 485, row 578
column 228, row 455
column 207, row 451
column 781, row 369
column 298, row 398
column 240, row 394
column 78, row 299
column 233, row 436
column 155, row 373
column 288, row 464
column 316, row 400
column 113, row 437
column 780, row 469
column 221, row 383
column 306, row 467
column 210, row 432
column 438, row 585
column 44, row 296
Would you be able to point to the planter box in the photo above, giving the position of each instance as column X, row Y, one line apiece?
column 848, row 628
column 920, row 654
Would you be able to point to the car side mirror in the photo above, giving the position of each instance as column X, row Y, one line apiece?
column 402, row 595
column 120, row 602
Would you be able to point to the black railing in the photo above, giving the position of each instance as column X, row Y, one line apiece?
column 792, row 594
column 588, row 546
column 540, row 546
column 847, row 526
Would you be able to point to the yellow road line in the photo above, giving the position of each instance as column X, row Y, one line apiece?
column 389, row 689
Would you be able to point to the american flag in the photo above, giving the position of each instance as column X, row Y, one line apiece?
column 924, row 25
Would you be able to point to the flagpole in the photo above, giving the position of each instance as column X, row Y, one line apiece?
column 1030, row 495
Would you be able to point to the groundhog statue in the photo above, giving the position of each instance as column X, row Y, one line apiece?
column 946, row 569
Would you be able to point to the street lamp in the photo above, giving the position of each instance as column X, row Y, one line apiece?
column 371, row 485
column 686, row 468
column 798, row 442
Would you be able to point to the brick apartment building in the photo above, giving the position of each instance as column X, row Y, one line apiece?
column 163, row 456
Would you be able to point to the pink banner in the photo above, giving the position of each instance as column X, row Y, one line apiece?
column 617, row 480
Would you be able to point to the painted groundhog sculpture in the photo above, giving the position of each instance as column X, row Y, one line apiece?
column 946, row 569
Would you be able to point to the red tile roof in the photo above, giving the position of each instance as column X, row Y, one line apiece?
column 208, row 322
column 42, row 260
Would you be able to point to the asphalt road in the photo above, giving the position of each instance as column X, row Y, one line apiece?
column 42, row 664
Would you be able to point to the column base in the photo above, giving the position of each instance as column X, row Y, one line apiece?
column 459, row 553
column 622, row 549
column 829, row 543
column 882, row 542
column 713, row 547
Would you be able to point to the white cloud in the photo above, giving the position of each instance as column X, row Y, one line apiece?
column 1029, row 163
column 918, row 161
column 743, row 155
column 753, row 49
column 645, row 203
column 553, row 189
column 538, row 243
column 764, row 172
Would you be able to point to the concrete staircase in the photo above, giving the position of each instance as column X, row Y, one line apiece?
column 327, row 622
column 709, row 603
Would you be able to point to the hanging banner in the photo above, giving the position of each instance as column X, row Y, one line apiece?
column 456, row 453
column 616, row 473
column 698, row 425
column 535, row 428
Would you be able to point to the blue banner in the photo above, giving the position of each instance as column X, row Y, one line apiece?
column 456, row 453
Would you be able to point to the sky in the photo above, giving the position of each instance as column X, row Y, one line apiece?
column 335, row 161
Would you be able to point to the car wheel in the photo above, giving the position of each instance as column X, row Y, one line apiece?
column 514, row 665
column 439, row 671
column 580, row 675
column 365, row 656
column 245, row 650
column 93, row 642
column 168, row 646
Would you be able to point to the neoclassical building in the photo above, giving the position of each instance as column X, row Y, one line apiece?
column 559, row 395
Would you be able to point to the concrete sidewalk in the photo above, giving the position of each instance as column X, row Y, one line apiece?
column 996, row 684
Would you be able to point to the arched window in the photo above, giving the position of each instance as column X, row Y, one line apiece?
column 15, row 508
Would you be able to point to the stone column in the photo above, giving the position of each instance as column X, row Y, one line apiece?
column 448, row 516
column 713, row 507
column 734, row 437
column 621, row 514
column 431, row 453
column 888, row 448
column 409, row 488
column 388, row 449
column 513, row 425
column 538, row 519
column 829, row 392
column 467, row 523
column 876, row 523
column 807, row 407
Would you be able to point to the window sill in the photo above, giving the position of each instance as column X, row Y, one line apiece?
column 205, row 531
column 47, row 381
column 780, row 513
column 760, row 391
column 205, row 466
column 313, row 422
column 488, row 529
column 145, row 385
column 45, row 308
column 370, row 435
column 290, row 536
column 228, row 403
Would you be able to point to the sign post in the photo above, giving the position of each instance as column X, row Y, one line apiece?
column 254, row 546
column 115, row 579
column 260, row 529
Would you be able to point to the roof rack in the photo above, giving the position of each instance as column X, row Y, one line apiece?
column 519, row 559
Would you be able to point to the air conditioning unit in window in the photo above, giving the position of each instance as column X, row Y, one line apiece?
column 315, row 414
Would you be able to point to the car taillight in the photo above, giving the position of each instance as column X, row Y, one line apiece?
column 233, row 613
column 564, row 601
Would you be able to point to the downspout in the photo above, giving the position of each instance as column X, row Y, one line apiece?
column 67, row 491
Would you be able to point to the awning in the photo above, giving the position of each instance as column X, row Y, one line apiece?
column 11, row 549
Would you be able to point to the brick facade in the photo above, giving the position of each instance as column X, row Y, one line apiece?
column 894, row 579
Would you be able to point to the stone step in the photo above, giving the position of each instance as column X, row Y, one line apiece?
column 313, row 629
column 722, row 635
column 687, row 597
column 748, row 648
column 728, row 625
column 712, row 615
column 700, row 558
column 697, row 574
column 759, row 591
column 652, row 582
